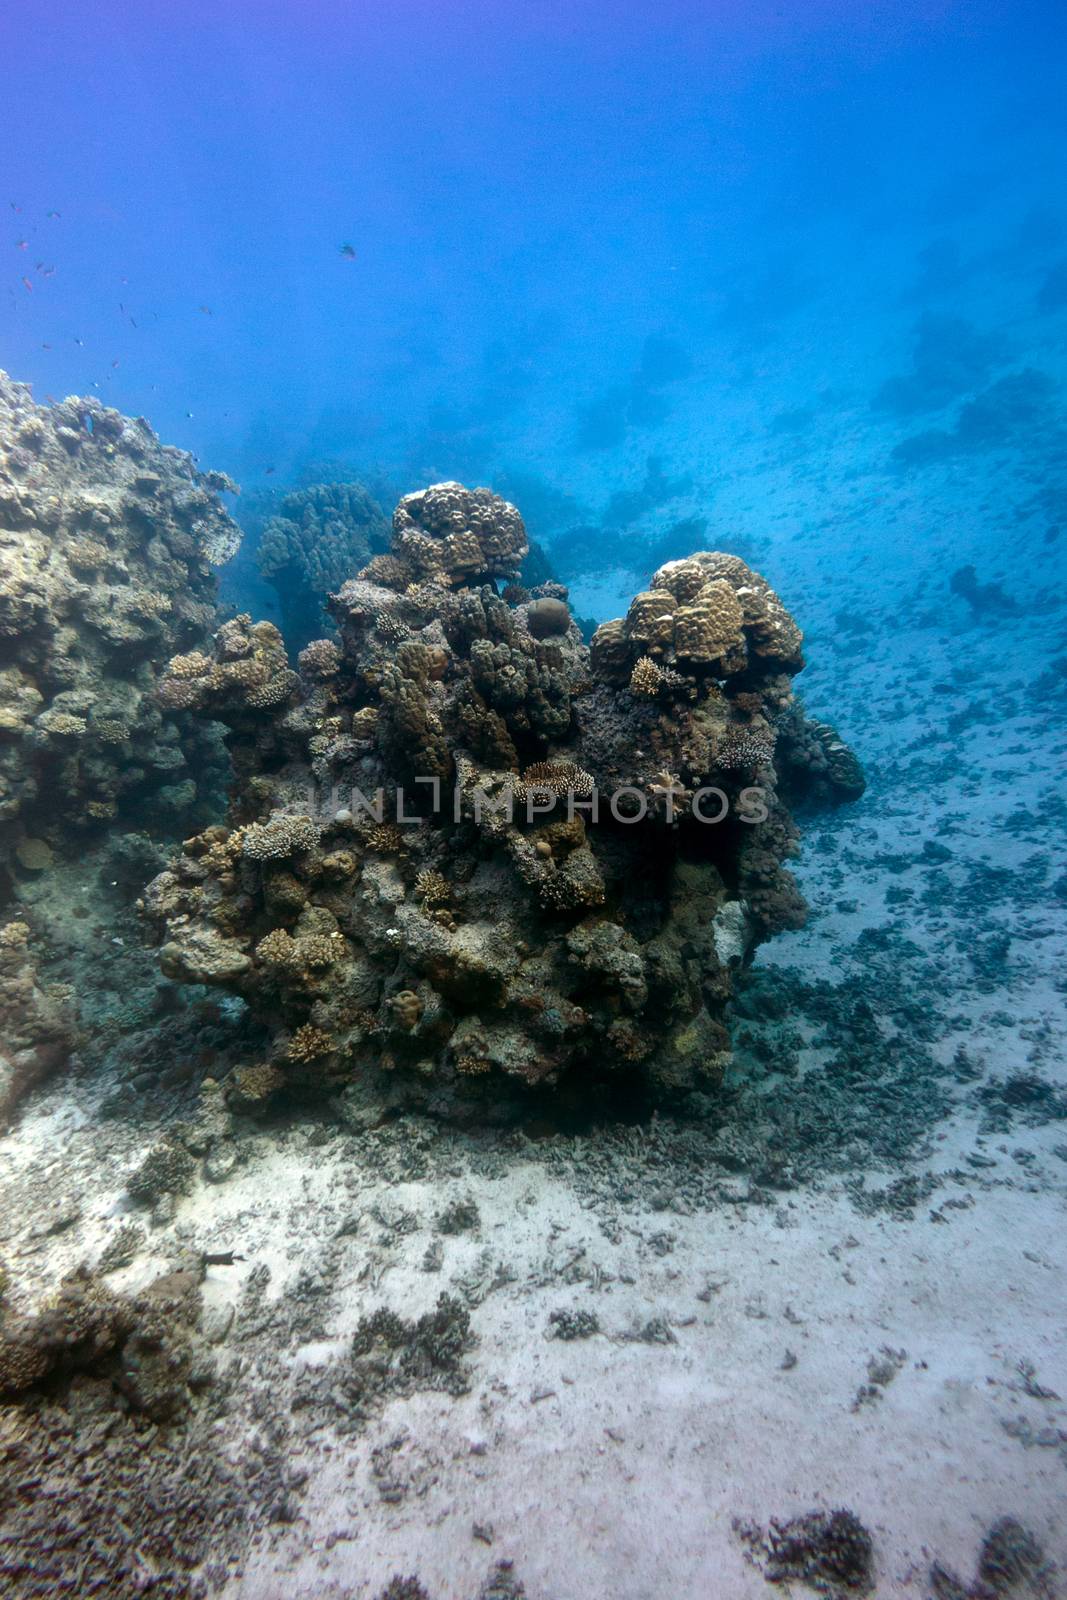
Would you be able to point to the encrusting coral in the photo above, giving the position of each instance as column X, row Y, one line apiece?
column 577, row 867
column 142, row 1343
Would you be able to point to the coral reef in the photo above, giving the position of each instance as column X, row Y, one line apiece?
column 107, row 544
column 474, row 856
column 815, row 765
column 108, row 541
column 318, row 537
column 142, row 1344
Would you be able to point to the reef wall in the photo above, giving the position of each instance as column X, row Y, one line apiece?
column 591, row 839
column 108, row 541
column 107, row 544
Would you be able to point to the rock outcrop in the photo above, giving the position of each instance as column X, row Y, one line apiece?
column 465, row 852
column 107, row 545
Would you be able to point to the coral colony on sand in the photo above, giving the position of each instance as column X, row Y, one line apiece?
column 465, row 853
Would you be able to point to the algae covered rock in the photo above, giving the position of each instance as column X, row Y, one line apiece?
column 142, row 1343
column 468, row 855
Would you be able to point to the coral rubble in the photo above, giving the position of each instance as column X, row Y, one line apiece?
column 470, row 853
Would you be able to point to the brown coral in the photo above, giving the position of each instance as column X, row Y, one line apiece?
column 281, row 836
column 308, row 1043
column 603, row 941
column 461, row 534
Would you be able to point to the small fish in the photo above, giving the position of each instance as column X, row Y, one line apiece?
column 270, row 470
column 22, row 244
column 51, row 213
column 206, row 310
column 348, row 251
column 46, row 347
column 13, row 206
column 47, row 272
column 79, row 341
column 27, row 285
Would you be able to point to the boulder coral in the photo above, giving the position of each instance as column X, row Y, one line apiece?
column 142, row 1344
column 477, row 858
column 317, row 538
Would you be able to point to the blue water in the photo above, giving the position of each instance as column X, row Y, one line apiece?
column 584, row 236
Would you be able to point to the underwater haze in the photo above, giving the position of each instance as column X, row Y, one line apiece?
column 533, row 720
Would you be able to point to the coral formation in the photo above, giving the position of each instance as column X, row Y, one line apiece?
column 107, row 543
column 318, row 537
column 574, row 869
column 815, row 765
column 141, row 1343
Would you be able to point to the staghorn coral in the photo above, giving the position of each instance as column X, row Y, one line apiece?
column 308, row 1043
column 279, row 837
column 555, row 778
column 649, row 679
column 600, row 934
column 432, row 888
